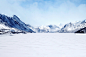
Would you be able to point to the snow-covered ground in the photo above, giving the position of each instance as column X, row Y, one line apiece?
column 43, row 45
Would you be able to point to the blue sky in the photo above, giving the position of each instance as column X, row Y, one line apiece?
column 45, row 12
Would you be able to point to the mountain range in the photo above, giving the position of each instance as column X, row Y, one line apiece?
column 14, row 24
column 66, row 28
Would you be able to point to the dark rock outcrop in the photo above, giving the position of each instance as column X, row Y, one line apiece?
column 83, row 30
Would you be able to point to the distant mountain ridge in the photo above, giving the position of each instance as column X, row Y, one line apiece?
column 67, row 28
column 14, row 22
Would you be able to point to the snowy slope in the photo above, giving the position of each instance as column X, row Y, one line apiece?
column 72, row 27
column 14, row 22
column 2, row 26
column 4, row 29
column 43, row 45
column 67, row 27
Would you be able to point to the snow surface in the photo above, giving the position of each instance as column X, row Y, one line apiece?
column 43, row 45
column 3, row 26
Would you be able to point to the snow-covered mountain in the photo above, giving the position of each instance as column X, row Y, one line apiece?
column 47, row 29
column 14, row 22
column 67, row 28
column 72, row 27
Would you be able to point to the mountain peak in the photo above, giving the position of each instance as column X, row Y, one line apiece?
column 84, row 21
column 14, row 16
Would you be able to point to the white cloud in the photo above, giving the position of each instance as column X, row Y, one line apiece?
column 42, row 13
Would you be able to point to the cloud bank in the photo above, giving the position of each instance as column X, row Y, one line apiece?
column 42, row 12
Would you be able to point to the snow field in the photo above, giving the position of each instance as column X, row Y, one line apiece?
column 43, row 45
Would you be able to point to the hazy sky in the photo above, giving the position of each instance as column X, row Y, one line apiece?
column 44, row 12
